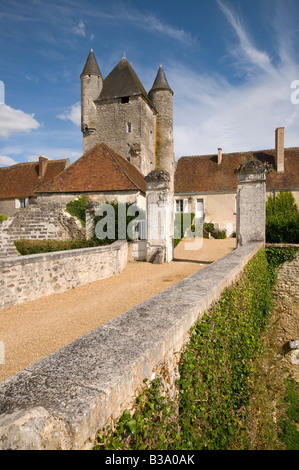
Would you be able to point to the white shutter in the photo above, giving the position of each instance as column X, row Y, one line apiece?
column 185, row 205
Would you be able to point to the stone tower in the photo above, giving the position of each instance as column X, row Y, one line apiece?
column 118, row 111
column 91, row 87
column 161, row 96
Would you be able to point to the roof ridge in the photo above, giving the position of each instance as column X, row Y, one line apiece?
column 124, row 172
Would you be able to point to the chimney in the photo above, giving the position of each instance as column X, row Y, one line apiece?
column 42, row 166
column 279, row 149
column 219, row 158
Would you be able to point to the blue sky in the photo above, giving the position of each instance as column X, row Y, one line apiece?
column 230, row 63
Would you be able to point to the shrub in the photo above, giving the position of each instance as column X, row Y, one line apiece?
column 2, row 217
column 111, row 218
column 32, row 247
column 210, row 228
column 77, row 208
column 282, row 219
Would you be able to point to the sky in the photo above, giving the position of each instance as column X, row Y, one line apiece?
column 233, row 66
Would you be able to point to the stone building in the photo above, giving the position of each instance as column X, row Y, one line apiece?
column 118, row 111
column 18, row 183
column 207, row 186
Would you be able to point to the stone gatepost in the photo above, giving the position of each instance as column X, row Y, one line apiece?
column 251, row 201
column 159, row 211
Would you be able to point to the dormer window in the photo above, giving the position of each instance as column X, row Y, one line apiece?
column 125, row 99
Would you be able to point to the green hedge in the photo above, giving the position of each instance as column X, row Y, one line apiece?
column 32, row 247
column 282, row 219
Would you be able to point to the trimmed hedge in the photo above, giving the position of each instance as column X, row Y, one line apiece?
column 33, row 247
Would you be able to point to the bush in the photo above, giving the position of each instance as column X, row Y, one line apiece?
column 109, row 222
column 2, row 217
column 209, row 227
column 77, row 208
column 282, row 219
column 32, row 247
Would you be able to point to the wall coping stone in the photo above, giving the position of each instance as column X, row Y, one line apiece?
column 61, row 401
column 53, row 255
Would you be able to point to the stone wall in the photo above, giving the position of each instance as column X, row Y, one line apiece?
column 38, row 222
column 64, row 399
column 135, row 142
column 26, row 278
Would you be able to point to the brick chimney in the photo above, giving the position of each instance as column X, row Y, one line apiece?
column 219, row 157
column 279, row 149
column 42, row 166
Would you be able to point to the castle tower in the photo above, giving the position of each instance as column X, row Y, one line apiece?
column 91, row 87
column 161, row 96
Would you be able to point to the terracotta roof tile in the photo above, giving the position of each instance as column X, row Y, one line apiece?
column 100, row 170
column 22, row 179
column 203, row 174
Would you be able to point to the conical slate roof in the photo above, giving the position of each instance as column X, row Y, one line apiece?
column 91, row 67
column 161, row 82
column 123, row 82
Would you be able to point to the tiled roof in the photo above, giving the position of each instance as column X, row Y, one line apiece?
column 21, row 180
column 100, row 170
column 203, row 174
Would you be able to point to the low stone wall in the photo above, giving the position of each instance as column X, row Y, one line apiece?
column 61, row 401
column 30, row 277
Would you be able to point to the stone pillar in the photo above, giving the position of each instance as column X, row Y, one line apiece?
column 251, row 201
column 159, row 212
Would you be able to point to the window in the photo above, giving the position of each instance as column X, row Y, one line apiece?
column 21, row 203
column 129, row 127
column 125, row 99
column 199, row 208
column 181, row 205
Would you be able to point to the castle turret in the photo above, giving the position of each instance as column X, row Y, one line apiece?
column 161, row 96
column 91, row 87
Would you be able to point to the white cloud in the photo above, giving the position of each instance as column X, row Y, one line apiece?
column 210, row 112
column 6, row 161
column 73, row 114
column 246, row 53
column 80, row 29
column 13, row 121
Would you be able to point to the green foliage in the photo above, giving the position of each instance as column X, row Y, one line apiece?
column 77, row 208
column 118, row 221
column 210, row 228
column 282, row 219
column 2, row 217
column 151, row 426
column 289, row 423
column 216, row 371
column 216, row 365
column 276, row 256
column 32, row 247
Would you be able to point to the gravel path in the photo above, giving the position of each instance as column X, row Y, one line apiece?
column 34, row 330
